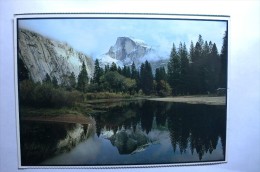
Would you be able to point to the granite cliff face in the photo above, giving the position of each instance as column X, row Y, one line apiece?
column 127, row 50
column 42, row 56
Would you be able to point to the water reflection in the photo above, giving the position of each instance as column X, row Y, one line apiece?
column 191, row 127
column 196, row 127
column 41, row 140
column 130, row 132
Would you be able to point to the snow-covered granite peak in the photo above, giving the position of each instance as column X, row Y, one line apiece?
column 127, row 50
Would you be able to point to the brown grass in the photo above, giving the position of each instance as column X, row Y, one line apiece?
column 68, row 118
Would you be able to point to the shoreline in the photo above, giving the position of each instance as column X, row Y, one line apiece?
column 217, row 100
column 81, row 119
column 74, row 119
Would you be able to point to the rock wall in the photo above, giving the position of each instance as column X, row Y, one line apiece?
column 42, row 56
column 126, row 47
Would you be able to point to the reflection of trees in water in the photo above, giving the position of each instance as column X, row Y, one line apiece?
column 194, row 127
column 123, row 115
column 161, row 113
column 200, row 125
column 147, row 113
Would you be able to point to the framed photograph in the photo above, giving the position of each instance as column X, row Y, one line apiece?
column 121, row 90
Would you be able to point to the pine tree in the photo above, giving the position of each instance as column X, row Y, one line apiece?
column 119, row 70
column 223, row 58
column 98, row 72
column 113, row 67
column 126, row 71
column 160, row 78
column 135, row 76
column 192, row 75
column 107, row 68
column 192, row 50
column 133, row 71
column 83, row 78
column 197, row 68
column 72, row 81
column 174, row 70
column 204, row 71
column 184, row 69
column 198, row 50
column 47, row 79
column 157, row 75
column 23, row 73
column 201, row 41
column 54, row 82
column 206, row 50
column 213, row 69
column 160, row 74
column 146, row 78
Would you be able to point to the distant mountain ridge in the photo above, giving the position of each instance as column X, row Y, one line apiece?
column 42, row 56
column 127, row 50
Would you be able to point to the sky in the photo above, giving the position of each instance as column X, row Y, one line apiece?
column 94, row 37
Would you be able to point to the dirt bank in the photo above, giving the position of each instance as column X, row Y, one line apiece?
column 80, row 119
column 194, row 100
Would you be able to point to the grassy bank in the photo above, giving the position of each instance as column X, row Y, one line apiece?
column 32, row 111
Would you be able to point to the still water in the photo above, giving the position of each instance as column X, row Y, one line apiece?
column 130, row 132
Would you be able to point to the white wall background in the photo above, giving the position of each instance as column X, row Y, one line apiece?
column 244, row 72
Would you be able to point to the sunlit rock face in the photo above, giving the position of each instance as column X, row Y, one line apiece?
column 130, row 49
column 42, row 56
column 127, row 50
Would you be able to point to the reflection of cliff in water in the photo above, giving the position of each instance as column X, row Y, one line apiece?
column 41, row 140
column 194, row 127
column 128, row 141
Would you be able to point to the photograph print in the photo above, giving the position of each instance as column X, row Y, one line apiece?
column 121, row 90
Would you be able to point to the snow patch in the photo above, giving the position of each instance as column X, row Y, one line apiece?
column 139, row 42
column 107, row 60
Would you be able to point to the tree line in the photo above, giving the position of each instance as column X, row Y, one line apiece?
column 199, row 70
column 126, row 79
